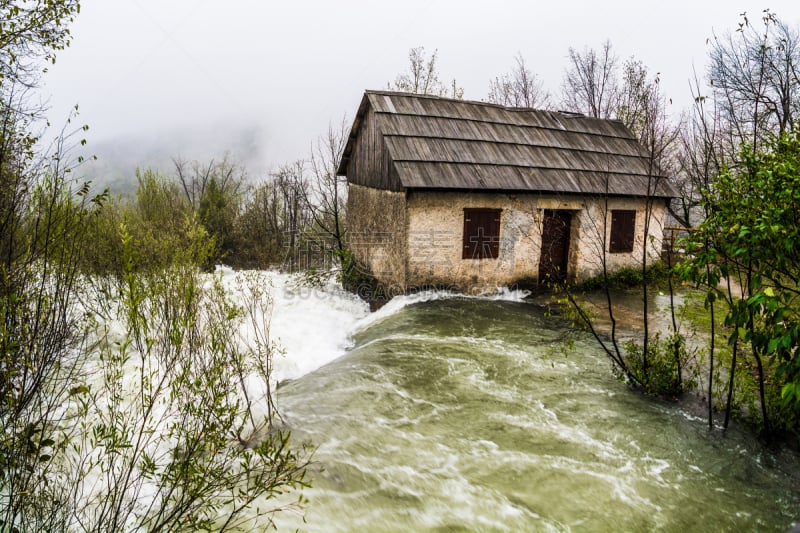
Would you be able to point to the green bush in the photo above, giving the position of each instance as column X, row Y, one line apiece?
column 203, row 448
column 627, row 278
column 159, row 225
column 663, row 371
column 104, row 256
column 256, row 234
column 163, row 226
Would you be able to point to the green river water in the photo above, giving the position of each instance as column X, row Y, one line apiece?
column 463, row 414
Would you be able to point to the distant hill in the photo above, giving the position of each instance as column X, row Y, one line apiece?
column 118, row 158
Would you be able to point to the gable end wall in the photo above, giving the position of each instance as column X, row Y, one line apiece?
column 376, row 233
column 370, row 163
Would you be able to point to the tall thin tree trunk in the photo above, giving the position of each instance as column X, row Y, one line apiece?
column 711, row 356
column 756, row 354
column 671, row 288
column 732, row 372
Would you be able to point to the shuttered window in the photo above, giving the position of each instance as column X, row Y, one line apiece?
column 623, row 224
column 481, row 233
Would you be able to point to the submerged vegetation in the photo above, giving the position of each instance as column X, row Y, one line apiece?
column 742, row 260
column 736, row 159
column 745, row 255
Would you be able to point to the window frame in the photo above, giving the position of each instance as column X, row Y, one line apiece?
column 622, row 233
column 487, row 243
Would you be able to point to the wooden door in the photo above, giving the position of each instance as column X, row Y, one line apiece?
column 555, row 246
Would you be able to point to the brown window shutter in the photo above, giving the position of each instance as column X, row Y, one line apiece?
column 469, row 244
column 623, row 226
column 481, row 238
column 493, row 222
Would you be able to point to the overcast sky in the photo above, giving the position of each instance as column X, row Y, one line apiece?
column 263, row 79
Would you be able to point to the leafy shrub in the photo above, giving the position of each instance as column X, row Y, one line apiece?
column 104, row 256
column 163, row 226
column 159, row 227
column 627, row 278
column 207, row 442
column 661, row 371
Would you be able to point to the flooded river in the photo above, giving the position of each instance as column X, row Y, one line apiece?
column 465, row 414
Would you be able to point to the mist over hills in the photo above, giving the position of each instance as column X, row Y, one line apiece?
column 118, row 158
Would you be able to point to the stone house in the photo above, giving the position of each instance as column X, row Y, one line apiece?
column 472, row 196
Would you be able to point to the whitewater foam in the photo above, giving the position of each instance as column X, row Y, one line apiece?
column 313, row 326
column 398, row 303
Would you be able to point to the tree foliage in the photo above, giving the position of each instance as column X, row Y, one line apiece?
column 41, row 338
column 292, row 220
column 30, row 32
column 753, row 96
column 42, row 216
column 214, row 191
column 751, row 239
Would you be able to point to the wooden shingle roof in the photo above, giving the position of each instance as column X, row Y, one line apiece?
column 441, row 143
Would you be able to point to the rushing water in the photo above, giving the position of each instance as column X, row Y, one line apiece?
column 464, row 414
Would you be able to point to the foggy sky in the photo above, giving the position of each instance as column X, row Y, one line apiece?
column 262, row 80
